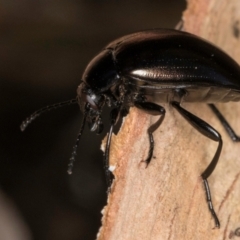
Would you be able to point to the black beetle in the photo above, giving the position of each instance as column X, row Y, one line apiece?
column 149, row 67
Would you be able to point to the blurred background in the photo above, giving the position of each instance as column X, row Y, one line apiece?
column 44, row 47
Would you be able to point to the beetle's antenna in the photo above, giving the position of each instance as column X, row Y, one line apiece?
column 45, row 109
column 74, row 152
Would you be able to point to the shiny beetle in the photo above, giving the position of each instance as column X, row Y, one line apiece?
column 171, row 66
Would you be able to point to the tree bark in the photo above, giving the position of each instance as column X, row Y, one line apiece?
column 167, row 199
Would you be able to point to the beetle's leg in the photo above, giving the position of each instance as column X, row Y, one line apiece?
column 225, row 124
column 211, row 133
column 153, row 109
column 114, row 117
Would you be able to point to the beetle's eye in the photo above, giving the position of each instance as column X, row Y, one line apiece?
column 96, row 101
column 86, row 95
column 91, row 99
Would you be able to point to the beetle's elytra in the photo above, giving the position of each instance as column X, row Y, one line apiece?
column 174, row 67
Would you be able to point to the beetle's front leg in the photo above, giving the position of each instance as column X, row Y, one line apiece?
column 153, row 109
column 114, row 117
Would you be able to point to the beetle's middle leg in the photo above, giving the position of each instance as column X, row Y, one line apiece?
column 153, row 109
column 211, row 133
column 109, row 177
column 225, row 123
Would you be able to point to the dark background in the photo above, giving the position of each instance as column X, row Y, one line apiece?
column 44, row 48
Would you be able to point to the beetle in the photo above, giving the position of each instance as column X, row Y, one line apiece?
column 150, row 67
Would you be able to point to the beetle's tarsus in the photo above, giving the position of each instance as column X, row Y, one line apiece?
column 210, row 205
column 153, row 109
column 208, row 131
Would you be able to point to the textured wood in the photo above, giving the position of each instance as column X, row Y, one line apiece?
column 167, row 199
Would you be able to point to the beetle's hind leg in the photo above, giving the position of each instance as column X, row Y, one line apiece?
column 153, row 109
column 211, row 133
column 225, row 124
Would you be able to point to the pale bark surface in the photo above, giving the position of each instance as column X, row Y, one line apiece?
column 167, row 199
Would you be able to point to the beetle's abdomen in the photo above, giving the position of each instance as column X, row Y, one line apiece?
column 156, row 62
column 168, row 59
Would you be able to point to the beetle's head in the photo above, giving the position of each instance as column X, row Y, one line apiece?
column 91, row 104
column 98, row 79
column 97, row 88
